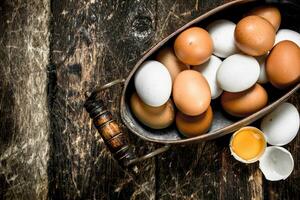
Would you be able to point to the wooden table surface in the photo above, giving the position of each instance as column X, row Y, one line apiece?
column 51, row 52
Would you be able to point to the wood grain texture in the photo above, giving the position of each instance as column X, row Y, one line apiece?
column 24, row 121
column 49, row 148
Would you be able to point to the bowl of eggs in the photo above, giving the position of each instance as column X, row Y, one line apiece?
column 217, row 74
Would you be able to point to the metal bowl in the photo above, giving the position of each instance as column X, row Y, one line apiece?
column 222, row 123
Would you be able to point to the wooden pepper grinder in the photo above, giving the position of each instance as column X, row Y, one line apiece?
column 114, row 138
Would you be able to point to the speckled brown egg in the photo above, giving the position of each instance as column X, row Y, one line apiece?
column 191, row 126
column 269, row 13
column 167, row 57
column 242, row 104
column 153, row 117
column 254, row 35
column 193, row 46
column 191, row 93
column 283, row 64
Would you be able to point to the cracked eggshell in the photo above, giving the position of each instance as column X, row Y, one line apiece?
column 209, row 71
column 153, row 83
column 281, row 126
column 276, row 163
column 222, row 34
column 238, row 73
column 287, row 34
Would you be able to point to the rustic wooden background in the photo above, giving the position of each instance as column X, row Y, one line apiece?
column 51, row 52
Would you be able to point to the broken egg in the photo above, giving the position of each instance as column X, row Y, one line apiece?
column 276, row 163
column 248, row 145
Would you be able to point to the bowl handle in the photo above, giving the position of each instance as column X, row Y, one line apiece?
column 114, row 138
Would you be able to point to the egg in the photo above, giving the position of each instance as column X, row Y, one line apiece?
column 153, row 83
column 209, row 71
column 281, row 125
column 276, row 164
column 283, row 64
column 222, row 34
column 242, row 104
column 254, row 35
column 286, row 34
column 238, row 73
column 153, row 117
column 262, row 74
column 269, row 13
column 193, row 46
column 247, row 144
column 191, row 93
column 167, row 57
column 191, row 126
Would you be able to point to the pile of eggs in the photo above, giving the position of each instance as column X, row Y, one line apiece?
column 225, row 61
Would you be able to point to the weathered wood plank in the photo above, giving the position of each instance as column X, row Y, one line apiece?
column 93, row 42
column 24, row 51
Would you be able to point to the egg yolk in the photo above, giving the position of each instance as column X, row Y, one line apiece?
column 248, row 144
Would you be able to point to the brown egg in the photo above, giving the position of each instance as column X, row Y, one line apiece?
column 193, row 46
column 269, row 13
column 283, row 64
column 254, row 35
column 153, row 117
column 191, row 126
column 167, row 57
column 242, row 104
column 191, row 93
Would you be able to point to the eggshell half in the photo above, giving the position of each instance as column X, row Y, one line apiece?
column 238, row 73
column 222, row 34
column 276, row 163
column 287, row 34
column 153, row 83
column 281, row 125
column 209, row 71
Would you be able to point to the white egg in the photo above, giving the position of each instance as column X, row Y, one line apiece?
column 276, row 163
column 262, row 74
column 153, row 83
column 281, row 125
column 238, row 73
column 222, row 34
column 286, row 34
column 209, row 71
